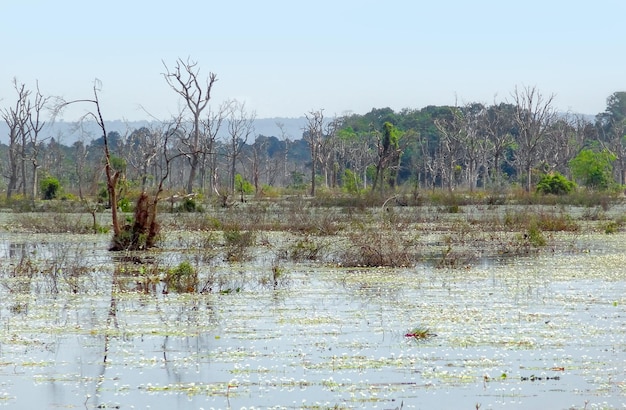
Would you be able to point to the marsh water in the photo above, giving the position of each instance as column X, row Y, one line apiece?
column 82, row 328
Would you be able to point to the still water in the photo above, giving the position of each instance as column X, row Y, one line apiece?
column 541, row 332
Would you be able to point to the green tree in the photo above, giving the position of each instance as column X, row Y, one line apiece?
column 594, row 169
column 611, row 125
column 388, row 152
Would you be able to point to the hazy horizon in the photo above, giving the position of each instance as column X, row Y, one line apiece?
column 284, row 59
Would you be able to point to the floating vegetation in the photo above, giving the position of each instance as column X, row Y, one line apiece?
column 420, row 333
column 175, row 328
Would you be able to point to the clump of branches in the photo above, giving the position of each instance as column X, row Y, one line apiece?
column 380, row 245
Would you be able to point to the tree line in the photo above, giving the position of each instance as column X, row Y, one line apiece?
column 216, row 152
column 475, row 145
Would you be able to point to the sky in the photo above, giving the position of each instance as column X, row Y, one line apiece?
column 288, row 58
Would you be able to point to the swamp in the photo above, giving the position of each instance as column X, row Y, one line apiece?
column 292, row 305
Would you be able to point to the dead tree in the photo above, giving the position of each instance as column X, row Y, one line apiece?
column 210, row 128
column 313, row 135
column 184, row 80
column 112, row 176
column 240, row 128
column 34, row 127
column 534, row 116
column 16, row 118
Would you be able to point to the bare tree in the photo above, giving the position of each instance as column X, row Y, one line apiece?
column 184, row 79
column 566, row 140
column 141, row 148
column 326, row 154
column 80, row 153
column 497, row 125
column 314, row 135
column 474, row 142
column 452, row 131
column 284, row 137
column 534, row 116
column 144, row 230
column 210, row 128
column 240, row 128
column 257, row 155
column 112, row 176
column 34, row 127
column 16, row 118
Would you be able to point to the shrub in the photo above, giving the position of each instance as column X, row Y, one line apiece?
column 238, row 243
column 125, row 205
column 351, row 182
column 305, row 249
column 182, row 278
column 535, row 237
column 554, row 183
column 49, row 187
column 188, row 205
column 379, row 246
column 242, row 185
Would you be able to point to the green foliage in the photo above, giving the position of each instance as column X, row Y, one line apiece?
column 535, row 237
column 305, row 249
column 182, row 278
column 118, row 164
column 103, row 194
column 297, row 180
column 49, row 187
column 593, row 169
column 611, row 227
column 391, row 136
column 188, row 205
column 243, row 185
column 351, row 182
column 554, row 183
column 125, row 205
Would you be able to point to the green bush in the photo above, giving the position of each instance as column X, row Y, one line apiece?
column 555, row 184
column 49, row 187
column 125, row 205
column 188, row 205
column 182, row 278
column 242, row 185
column 351, row 182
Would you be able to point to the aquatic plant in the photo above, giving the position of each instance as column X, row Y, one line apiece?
column 419, row 333
column 183, row 278
column 238, row 243
column 305, row 249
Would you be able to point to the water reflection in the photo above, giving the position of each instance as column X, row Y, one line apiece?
column 113, row 334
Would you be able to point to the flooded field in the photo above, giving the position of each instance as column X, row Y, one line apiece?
column 82, row 327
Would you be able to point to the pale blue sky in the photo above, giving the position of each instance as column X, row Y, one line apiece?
column 286, row 58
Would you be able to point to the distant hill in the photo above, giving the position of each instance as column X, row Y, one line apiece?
column 69, row 132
